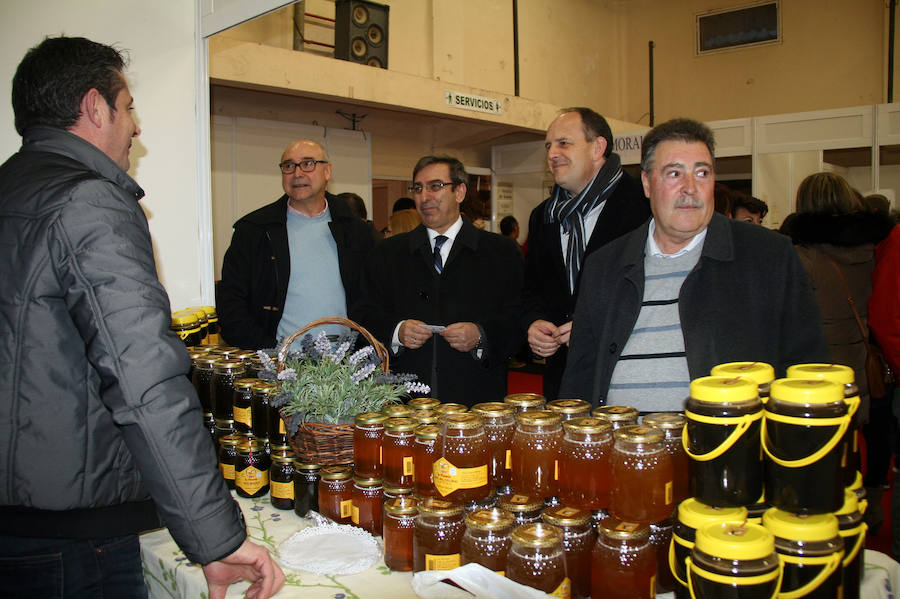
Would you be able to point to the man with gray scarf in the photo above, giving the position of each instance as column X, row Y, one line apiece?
column 593, row 202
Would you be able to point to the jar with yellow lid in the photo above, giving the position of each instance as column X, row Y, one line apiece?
column 619, row 416
column 424, row 457
column 802, row 438
column 423, row 403
column 672, row 424
column 336, row 493
column 534, row 453
column 486, row 540
column 225, row 373
column 536, row 559
column 734, row 560
column 641, row 474
column 499, row 426
column 811, row 551
column 437, row 541
column 524, row 402
column 584, row 463
column 398, row 530
column 693, row 515
column 524, row 508
column 368, row 434
column 579, row 538
column 623, row 563
column 853, row 531
column 461, row 468
column 186, row 325
column 570, row 408
column 204, row 323
column 251, row 469
column 722, row 440
column 844, row 376
column 212, row 320
column 242, row 400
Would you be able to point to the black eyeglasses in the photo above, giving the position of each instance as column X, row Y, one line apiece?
column 307, row 166
column 432, row 186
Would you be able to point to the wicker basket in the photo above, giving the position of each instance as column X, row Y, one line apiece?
column 315, row 442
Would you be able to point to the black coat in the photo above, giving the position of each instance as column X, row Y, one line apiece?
column 747, row 299
column 257, row 267
column 481, row 283
column 546, row 294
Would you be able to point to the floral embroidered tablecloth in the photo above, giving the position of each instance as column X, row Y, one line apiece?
column 170, row 575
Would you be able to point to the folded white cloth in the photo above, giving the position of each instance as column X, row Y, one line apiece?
column 477, row 581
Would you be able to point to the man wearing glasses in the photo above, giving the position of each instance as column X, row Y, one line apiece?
column 294, row 260
column 446, row 296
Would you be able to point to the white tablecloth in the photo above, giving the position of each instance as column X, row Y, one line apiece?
column 169, row 575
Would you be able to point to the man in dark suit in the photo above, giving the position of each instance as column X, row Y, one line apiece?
column 446, row 296
column 593, row 202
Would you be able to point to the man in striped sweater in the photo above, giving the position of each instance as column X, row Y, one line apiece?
column 688, row 290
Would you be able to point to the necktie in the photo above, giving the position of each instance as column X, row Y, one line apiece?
column 438, row 262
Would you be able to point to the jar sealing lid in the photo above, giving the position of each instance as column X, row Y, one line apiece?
column 370, row 418
column 640, row 433
column 427, row 431
column 225, row 366
column 490, row 519
column 423, row 403
column 836, row 373
column 569, row 406
column 807, row 391
column 724, row 389
column 367, row 482
column 399, row 425
column 494, row 409
column 466, row 421
column 695, row 514
column 665, row 420
column 519, row 502
column 563, row 516
column 438, row 507
column 401, row 506
column 451, row 408
column 616, row 413
column 537, row 534
column 758, row 372
column 525, row 400
column 588, row 425
column 396, row 411
column 735, row 541
column 538, row 418
column 336, row 473
column 246, row 384
column 614, row 528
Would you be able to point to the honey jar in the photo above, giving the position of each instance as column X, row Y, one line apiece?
column 534, row 453
column 397, row 451
column 619, row 415
column 579, row 538
column 460, row 472
column 584, row 466
column 366, row 511
column 486, row 540
column 398, row 531
column 499, row 426
column 336, row 493
column 536, row 559
column 524, row 402
column 424, row 458
column 368, row 433
column 437, row 540
column 623, row 563
column 641, row 475
column 251, row 469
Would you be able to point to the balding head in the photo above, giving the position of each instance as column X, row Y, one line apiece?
column 305, row 188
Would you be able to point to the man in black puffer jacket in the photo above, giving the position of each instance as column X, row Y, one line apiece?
column 99, row 427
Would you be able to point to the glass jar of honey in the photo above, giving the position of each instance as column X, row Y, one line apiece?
column 569, row 409
column 525, row 509
column 187, row 326
column 278, row 433
column 584, row 475
column 224, row 427
column 201, row 378
column 306, row 488
column 460, row 472
column 251, row 469
column 619, row 415
column 227, row 456
column 499, row 426
column 641, row 475
column 397, row 410
column 579, row 538
column 446, row 409
column 368, row 432
column 623, row 564
column 423, row 403
column 336, row 493
column 672, row 424
column 534, row 452
column 225, row 373
column 259, row 409
column 281, row 480
column 398, row 531
column 397, row 451
column 486, row 540
column 425, row 416
column 536, row 559
column 366, row 509
column 438, row 535
column 241, row 402
column 424, row 458
column 524, row 402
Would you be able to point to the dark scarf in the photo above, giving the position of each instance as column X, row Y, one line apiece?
column 570, row 211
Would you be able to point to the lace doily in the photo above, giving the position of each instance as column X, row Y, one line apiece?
column 334, row 550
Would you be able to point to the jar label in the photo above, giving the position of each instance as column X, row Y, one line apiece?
column 441, row 562
column 408, row 467
column 242, row 415
column 251, row 479
column 227, row 471
column 281, row 430
column 564, row 589
column 653, row 586
column 347, row 508
column 449, row 478
column 669, row 492
column 380, row 459
column 282, row 490
column 555, row 469
column 354, row 514
column 509, row 459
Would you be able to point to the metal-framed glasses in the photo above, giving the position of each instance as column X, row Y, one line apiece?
column 432, row 186
column 307, row 166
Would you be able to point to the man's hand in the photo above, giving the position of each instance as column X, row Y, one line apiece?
column 412, row 334
column 462, row 336
column 250, row 562
column 563, row 332
column 542, row 338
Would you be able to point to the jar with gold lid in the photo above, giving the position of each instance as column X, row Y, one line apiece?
column 534, row 452
column 460, row 472
column 202, row 377
column 366, row 511
column 584, row 463
column 486, row 540
column 306, row 487
column 641, row 472
column 259, row 409
column 423, row 403
column 524, row 402
column 570, row 408
column 623, row 563
column 228, row 453
column 225, row 373
column 336, row 493
column 397, row 444
column 672, row 425
column 536, row 559
column 396, row 410
column 437, row 541
column 398, row 531
column 241, row 402
column 619, row 415
column 579, row 538
column 251, row 469
column 424, row 458
column 281, row 480
column 368, row 433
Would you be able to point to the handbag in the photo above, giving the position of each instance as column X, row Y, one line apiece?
column 878, row 372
